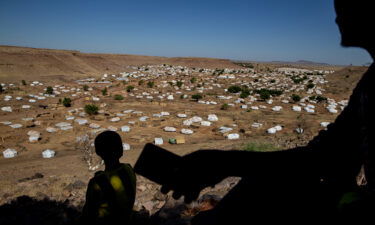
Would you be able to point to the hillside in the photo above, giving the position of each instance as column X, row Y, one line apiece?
column 342, row 82
column 22, row 63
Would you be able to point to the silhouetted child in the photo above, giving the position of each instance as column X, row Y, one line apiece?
column 110, row 193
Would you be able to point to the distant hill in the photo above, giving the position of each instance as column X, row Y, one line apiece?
column 299, row 62
column 34, row 63
column 302, row 62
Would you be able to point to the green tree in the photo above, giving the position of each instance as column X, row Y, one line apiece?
column 310, row 85
column 234, row 89
column 104, row 91
column 129, row 88
column 67, row 102
column 196, row 97
column 245, row 93
column 296, row 98
column 49, row 90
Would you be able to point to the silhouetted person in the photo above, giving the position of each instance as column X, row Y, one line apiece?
column 316, row 182
column 110, row 193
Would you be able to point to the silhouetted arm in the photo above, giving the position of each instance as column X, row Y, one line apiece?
column 90, row 209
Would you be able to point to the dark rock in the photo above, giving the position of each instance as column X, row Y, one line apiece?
column 35, row 176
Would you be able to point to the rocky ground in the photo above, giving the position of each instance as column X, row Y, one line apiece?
column 199, row 108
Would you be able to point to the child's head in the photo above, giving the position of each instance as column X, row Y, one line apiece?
column 108, row 145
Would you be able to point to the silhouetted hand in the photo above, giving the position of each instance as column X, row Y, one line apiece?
column 197, row 171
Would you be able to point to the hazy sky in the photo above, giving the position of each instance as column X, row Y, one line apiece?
column 262, row 30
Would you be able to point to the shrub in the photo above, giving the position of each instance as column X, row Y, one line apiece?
column 140, row 82
column 179, row 83
column 234, row 89
column 320, row 98
column 245, row 93
column 150, row 84
column 23, row 82
column 129, row 88
column 104, row 91
column 224, row 106
column 297, row 79
column 296, row 98
column 1, row 89
column 272, row 81
column 196, row 97
column 264, row 95
column 310, row 85
column 85, row 87
column 193, row 80
column 119, row 97
column 91, row 109
column 67, row 102
column 49, row 90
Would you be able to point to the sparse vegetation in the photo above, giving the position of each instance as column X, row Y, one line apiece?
column 119, row 97
column 259, row 147
column 49, row 90
column 23, row 82
column 129, row 88
column 141, row 82
column 1, row 89
column 67, row 102
column 224, row 106
column 91, row 109
column 179, row 84
column 150, row 84
column 104, row 91
column 85, row 87
column 193, row 80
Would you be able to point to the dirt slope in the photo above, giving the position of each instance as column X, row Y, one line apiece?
column 23, row 63
column 342, row 82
